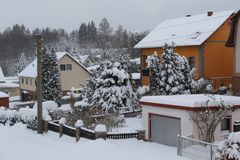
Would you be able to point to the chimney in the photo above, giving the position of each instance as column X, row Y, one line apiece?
column 209, row 13
column 188, row 15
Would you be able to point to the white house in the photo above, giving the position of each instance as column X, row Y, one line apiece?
column 72, row 74
column 164, row 117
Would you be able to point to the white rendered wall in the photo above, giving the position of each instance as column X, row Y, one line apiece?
column 186, row 123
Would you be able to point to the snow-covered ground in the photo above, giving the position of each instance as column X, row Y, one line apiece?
column 20, row 143
column 131, row 125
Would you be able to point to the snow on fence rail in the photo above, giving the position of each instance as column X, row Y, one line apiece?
column 195, row 149
column 89, row 134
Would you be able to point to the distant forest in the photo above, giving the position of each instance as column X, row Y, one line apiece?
column 103, row 38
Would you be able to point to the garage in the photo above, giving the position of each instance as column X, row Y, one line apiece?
column 164, row 130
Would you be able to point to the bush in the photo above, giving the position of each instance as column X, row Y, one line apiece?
column 230, row 149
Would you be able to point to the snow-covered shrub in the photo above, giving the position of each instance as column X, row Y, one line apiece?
column 48, row 105
column 8, row 115
column 100, row 128
column 62, row 120
column 79, row 124
column 230, row 148
column 141, row 91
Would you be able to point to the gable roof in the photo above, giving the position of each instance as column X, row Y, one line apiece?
column 2, row 78
column 31, row 69
column 186, row 31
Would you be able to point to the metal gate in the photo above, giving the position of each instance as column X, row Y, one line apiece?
column 164, row 130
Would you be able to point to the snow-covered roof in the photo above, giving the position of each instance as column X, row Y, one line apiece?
column 136, row 60
column 194, row 100
column 83, row 58
column 136, row 76
column 31, row 69
column 2, row 94
column 185, row 31
column 2, row 79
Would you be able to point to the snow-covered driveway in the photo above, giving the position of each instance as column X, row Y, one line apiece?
column 19, row 143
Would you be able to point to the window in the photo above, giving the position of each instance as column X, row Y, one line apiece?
column 26, row 80
column 69, row 67
column 191, row 61
column 145, row 72
column 31, row 83
column 22, row 80
column 226, row 124
column 62, row 67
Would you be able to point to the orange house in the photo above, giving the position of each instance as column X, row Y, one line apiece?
column 234, row 41
column 201, row 39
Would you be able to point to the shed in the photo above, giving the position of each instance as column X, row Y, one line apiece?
column 164, row 117
column 4, row 99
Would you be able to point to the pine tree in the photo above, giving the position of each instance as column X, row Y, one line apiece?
column 154, row 65
column 113, row 89
column 21, row 63
column 51, row 89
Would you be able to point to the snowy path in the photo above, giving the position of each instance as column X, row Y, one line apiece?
column 19, row 143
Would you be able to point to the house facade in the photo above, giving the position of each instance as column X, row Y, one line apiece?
column 72, row 74
column 165, row 117
column 201, row 39
column 234, row 42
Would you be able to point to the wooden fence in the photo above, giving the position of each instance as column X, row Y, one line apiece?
column 90, row 134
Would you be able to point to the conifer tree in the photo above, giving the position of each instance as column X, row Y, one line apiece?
column 113, row 89
column 51, row 89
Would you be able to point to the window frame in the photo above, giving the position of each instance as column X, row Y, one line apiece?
column 68, row 66
column 227, row 126
column 62, row 67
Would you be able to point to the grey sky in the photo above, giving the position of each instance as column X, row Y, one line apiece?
column 132, row 14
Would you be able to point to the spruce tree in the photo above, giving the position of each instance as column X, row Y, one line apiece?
column 51, row 88
column 113, row 89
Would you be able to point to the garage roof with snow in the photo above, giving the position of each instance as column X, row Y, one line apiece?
column 190, row 101
column 186, row 31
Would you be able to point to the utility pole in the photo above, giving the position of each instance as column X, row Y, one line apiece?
column 39, row 46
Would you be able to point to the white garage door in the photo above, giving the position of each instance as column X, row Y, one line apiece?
column 164, row 130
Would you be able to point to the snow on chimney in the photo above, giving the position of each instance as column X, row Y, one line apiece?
column 209, row 13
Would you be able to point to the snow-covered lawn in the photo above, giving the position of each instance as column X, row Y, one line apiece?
column 19, row 143
column 131, row 125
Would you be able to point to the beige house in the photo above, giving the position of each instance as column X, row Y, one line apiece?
column 234, row 41
column 72, row 73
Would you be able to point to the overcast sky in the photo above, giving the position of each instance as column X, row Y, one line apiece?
column 131, row 14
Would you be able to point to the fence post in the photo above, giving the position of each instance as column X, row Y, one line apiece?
column 141, row 135
column 45, row 123
column 211, row 152
column 100, row 131
column 179, row 146
column 78, row 133
column 62, row 121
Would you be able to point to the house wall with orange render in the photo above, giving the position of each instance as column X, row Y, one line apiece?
column 217, row 59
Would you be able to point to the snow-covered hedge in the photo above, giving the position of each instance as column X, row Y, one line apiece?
column 25, row 115
column 230, row 149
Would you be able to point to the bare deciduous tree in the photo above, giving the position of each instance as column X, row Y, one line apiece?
column 207, row 117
